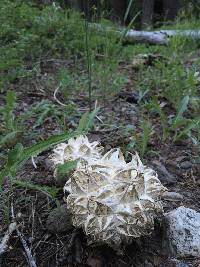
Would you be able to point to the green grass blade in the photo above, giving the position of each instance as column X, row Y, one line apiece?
column 190, row 126
column 146, row 133
column 51, row 191
column 8, row 112
column 128, row 27
column 128, row 10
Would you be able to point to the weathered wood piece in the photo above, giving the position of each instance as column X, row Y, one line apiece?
column 159, row 37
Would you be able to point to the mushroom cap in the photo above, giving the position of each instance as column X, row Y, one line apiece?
column 113, row 200
column 78, row 148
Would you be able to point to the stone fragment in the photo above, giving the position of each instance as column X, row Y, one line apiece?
column 183, row 232
column 186, row 165
column 172, row 196
column 59, row 220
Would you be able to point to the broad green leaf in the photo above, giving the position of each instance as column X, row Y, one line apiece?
column 179, row 123
column 44, row 145
column 83, row 122
column 91, row 118
column 16, row 158
column 87, row 120
column 182, row 107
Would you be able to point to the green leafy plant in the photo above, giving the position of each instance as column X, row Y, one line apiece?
column 154, row 106
column 143, row 139
column 46, row 109
column 188, row 131
column 7, row 111
column 11, row 130
column 139, row 140
column 87, row 120
column 176, row 126
column 178, row 120
column 19, row 155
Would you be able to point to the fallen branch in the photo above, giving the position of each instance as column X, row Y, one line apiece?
column 161, row 37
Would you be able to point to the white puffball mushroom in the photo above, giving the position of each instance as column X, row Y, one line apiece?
column 113, row 201
column 76, row 149
column 110, row 199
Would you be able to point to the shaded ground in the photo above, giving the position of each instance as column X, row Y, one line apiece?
column 177, row 166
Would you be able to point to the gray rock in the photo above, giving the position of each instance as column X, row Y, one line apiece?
column 48, row 164
column 172, row 196
column 182, row 264
column 59, row 220
column 185, row 165
column 183, row 232
column 174, row 263
column 178, row 263
column 164, row 175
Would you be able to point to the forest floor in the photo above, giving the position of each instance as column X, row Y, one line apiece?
column 175, row 164
column 148, row 99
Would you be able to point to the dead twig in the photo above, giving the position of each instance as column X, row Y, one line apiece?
column 4, row 241
column 56, row 99
column 29, row 257
column 33, row 162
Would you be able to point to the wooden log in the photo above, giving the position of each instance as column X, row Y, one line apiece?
column 159, row 37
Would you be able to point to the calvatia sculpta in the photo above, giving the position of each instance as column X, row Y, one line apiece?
column 110, row 199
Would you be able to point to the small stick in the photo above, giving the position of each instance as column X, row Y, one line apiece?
column 33, row 162
column 29, row 256
column 95, row 107
column 26, row 249
column 4, row 241
column 56, row 99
